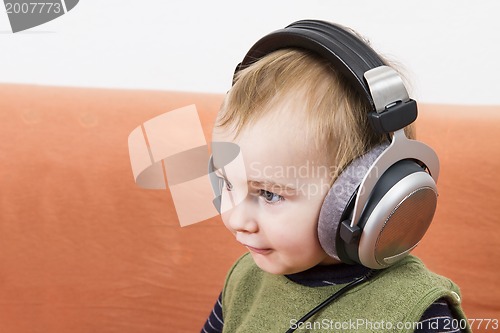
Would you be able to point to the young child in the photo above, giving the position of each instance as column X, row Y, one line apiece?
column 299, row 123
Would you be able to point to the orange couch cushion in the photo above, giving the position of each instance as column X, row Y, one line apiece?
column 83, row 249
column 463, row 241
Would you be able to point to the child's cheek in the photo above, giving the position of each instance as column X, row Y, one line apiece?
column 225, row 215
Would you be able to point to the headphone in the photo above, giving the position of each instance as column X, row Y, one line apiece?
column 383, row 202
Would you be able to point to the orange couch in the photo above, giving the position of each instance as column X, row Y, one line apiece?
column 83, row 249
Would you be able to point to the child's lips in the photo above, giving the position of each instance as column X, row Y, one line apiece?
column 258, row 250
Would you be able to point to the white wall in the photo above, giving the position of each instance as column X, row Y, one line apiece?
column 450, row 48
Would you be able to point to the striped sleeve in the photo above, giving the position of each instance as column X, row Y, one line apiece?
column 437, row 318
column 215, row 322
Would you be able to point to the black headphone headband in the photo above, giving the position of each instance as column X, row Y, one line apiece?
column 346, row 52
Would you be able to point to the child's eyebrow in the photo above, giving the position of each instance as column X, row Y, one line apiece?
column 271, row 185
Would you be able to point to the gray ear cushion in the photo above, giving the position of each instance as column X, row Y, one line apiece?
column 338, row 196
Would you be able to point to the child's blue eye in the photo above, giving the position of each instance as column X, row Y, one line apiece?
column 270, row 197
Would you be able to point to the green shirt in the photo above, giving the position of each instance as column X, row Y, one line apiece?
column 392, row 301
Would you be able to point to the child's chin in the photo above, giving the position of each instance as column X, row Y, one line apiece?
column 270, row 266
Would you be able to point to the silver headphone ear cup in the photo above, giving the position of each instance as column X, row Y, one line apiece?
column 337, row 199
column 397, row 216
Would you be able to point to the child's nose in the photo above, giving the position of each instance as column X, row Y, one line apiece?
column 242, row 218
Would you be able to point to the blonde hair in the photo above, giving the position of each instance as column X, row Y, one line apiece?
column 336, row 113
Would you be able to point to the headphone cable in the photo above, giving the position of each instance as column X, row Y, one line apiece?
column 333, row 297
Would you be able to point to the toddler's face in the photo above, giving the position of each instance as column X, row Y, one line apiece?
column 278, row 197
